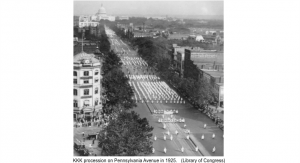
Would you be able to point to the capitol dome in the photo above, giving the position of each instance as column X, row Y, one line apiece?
column 102, row 10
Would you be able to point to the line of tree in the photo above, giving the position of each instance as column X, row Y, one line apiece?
column 126, row 134
column 117, row 90
column 124, row 34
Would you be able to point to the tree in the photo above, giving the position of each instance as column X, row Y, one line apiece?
column 205, row 91
column 117, row 90
column 111, row 61
column 104, row 43
column 127, row 135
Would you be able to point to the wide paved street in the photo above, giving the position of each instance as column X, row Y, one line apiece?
column 194, row 120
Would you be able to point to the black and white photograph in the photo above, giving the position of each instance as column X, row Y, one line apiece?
column 148, row 81
column 148, row 78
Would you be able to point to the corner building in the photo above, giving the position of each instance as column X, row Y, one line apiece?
column 87, row 86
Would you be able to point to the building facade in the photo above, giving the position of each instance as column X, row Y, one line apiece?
column 216, row 80
column 86, row 21
column 123, row 18
column 205, row 59
column 87, row 86
column 141, row 34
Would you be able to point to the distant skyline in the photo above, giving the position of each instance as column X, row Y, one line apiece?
column 204, row 9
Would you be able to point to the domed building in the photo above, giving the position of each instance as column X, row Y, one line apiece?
column 101, row 11
column 86, row 86
column 101, row 15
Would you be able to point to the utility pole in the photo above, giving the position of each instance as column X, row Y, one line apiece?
column 82, row 40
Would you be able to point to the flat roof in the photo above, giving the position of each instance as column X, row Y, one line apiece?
column 217, row 60
column 214, row 73
column 178, row 36
column 200, row 64
column 201, row 50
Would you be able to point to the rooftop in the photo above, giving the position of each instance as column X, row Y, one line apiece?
column 201, row 50
column 217, row 60
column 178, row 36
column 214, row 73
column 80, row 57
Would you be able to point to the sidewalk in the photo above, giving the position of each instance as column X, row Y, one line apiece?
column 220, row 111
column 94, row 149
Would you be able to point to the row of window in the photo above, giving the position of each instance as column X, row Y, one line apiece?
column 85, row 81
column 85, row 91
column 85, row 73
column 85, row 103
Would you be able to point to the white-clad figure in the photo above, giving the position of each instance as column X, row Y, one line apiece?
column 168, row 132
column 204, row 125
column 214, row 149
column 165, row 150
column 184, row 125
column 155, row 137
column 153, row 150
column 176, row 132
column 202, row 137
column 196, row 149
column 188, row 131
column 164, row 126
column 182, row 149
column 213, row 136
column 188, row 137
column 164, row 137
column 171, row 137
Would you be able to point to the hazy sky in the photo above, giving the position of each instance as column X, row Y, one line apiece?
column 150, row 7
